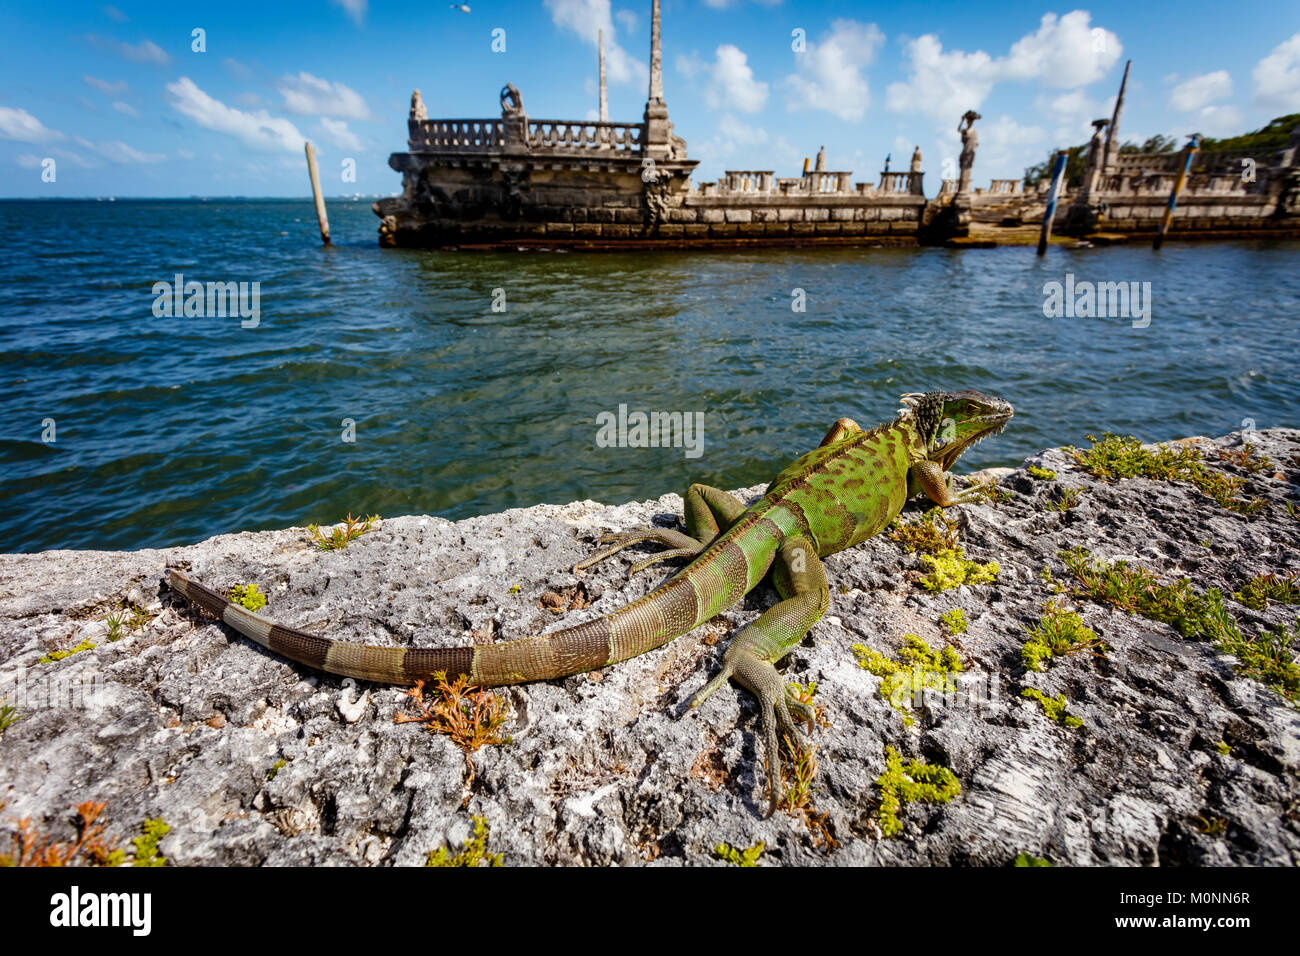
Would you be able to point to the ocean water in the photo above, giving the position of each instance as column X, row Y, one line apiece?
column 169, row 429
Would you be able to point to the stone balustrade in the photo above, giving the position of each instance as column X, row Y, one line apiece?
column 900, row 184
column 567, row 135
column 1004, row 187
column 555, row 137
column 461, row 135
column 748, row 181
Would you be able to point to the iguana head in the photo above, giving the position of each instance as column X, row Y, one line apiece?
column 950, row 422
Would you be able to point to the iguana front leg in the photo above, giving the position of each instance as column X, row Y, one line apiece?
column 708, row 512
column 751, row 657
column 927, row 476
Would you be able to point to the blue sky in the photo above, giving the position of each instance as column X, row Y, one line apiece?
column 118, row 99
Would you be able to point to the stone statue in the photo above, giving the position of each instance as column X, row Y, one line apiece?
column 916, row 160
column 821, row 161
column 512, row 103
column 418, row 112
column 970, row 140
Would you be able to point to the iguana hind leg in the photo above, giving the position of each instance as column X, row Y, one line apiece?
column 751, row 657
column 927, row 476
column 708, row 512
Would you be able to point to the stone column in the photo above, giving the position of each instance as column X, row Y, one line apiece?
column 1112, row 132
column 658, row 131
column 604, row 103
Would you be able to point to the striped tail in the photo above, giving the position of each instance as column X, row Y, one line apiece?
column 719, row 577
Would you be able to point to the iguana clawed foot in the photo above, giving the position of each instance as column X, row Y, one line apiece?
column 777, row 705
column 679, row 545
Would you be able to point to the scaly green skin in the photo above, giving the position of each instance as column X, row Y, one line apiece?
column 834, row 497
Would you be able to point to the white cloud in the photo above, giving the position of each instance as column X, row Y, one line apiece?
column 740, row 138
column 731, row 83
column 118, row 152
column 1073, row 113
column 28, row 161
column 356, row 9
column 628, row 20
column 305, row 95
column 1277, row 77
column 337, row 132
column 113, row 13
column 259, row 130
column 126, row 109
column 1220, row 121
column 585, row 18
column 941, row 85
column 146, row 51
column 104, row 86
column 829, row 73
column 23, row 126
column 1064, row 53
column 249, row 100
column 1200, row 91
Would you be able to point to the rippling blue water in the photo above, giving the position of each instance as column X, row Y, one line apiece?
column 172, row 429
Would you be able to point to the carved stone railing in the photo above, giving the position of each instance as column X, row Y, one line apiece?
column 461, row 135
column 900, row 184
column 1130, row 163
column 1004, row 187
column 748, row 180
column 573, row 136
column 830, row 182
column 794, row 186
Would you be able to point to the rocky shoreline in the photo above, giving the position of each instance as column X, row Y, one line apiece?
column 250, row 759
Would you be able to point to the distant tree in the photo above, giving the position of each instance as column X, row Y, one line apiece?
column 1273, row 136
column 1076, row 164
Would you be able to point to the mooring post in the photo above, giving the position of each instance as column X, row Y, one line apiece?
column 316, row 194
column 1053, row 193
column 1189, row 155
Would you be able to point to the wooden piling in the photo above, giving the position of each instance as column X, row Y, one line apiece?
column 316, row 193
column 1189, row 156
column 1053, row 193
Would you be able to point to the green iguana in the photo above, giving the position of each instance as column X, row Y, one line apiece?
column 834, row 497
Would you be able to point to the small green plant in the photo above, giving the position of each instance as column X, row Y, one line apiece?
column 139, row 617
column 1053, row 707
column 1025, row 859
column 952, row 569
column 1057, row 633
column 8, row 716
column 471, row 717
column 931, row 533
column 53, row 656
column 515, row 589
column 146, row 844
column 1065, row 499
column 742, row 858
column 1246, row 458
column 1115, row 457
column 1211, row 826
column 1267, row 657
column 1263, row 588
column 1223, row 748
column 475, row 852
column 919, row 667
column 275, row 769
column 1042, row 474
column 248, row 597
column 991, row 490
column 114, row 622
column 30, row 847
column 910, row 783
column 954, row 621
column 340, row 536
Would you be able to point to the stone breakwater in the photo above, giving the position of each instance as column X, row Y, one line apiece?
column 251, row 759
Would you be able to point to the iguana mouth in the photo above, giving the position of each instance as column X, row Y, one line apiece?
column 996, row 423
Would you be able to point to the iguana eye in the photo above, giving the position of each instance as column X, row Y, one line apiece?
column 947, row 433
